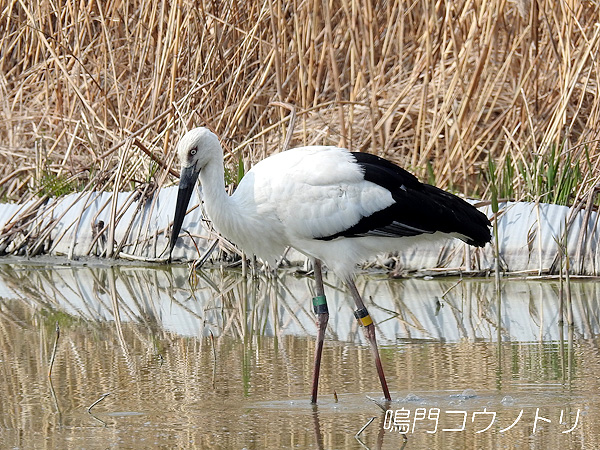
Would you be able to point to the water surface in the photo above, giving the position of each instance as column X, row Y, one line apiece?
column 222, row 362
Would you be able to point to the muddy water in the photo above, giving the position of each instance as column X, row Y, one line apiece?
column 226, row 363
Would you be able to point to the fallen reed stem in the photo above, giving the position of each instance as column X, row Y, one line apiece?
column 89, row 410
column 214, row 352
column 53, row 356
column 364, row 427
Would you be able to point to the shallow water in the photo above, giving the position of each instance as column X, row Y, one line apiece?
column 228, row 363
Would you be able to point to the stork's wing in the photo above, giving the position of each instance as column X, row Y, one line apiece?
column 327, row 192
column 417, row 208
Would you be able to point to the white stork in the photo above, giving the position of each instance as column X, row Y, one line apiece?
column 333, row 205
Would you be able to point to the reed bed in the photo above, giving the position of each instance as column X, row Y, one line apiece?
column 440, row 87
column 483, row 97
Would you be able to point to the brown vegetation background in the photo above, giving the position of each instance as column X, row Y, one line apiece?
column 92, row 92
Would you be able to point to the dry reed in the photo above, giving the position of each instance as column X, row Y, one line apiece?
column 438, row 87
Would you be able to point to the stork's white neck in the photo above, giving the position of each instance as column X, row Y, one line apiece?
column 219, row 206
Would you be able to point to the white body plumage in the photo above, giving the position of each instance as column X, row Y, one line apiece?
column 303, row 198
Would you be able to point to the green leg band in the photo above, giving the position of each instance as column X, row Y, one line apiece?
column 320, row 304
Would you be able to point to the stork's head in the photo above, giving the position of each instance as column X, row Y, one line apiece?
column 196, row 149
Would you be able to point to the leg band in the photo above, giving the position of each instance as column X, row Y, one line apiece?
column 320, row 305
column 363, row 317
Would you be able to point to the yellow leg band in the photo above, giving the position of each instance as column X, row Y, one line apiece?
column 365, row 321
column 363, row 317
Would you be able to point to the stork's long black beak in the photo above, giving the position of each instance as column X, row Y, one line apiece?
column 187, row 181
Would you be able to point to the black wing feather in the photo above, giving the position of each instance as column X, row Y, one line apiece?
column 418, row 209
